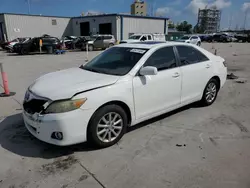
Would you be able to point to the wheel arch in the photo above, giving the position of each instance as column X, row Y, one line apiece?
column 122, row 104
column 217, row 78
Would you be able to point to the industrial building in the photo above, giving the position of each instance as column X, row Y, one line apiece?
column 20, row 25
column 139, row 8
column 209, row 20
column 119, row 25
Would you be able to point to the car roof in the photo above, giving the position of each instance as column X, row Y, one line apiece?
column 150, row 45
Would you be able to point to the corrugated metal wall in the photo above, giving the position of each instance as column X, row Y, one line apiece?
column 142, row 25
column 94, row 24
column 34, row 26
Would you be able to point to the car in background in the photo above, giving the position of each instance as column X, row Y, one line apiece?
column 68, row 39
column 100, row 41
column 49, row 44
column 12, row 44
column 242, row 37
column 5, row 44
column 77, row 43
column 144, row 37
column 193, row 39
column 224, row 37
column 121, row 87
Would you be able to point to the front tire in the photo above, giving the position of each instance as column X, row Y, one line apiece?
column 90, row 47
column 199, row 44
column 210, row 93
column 107, row 126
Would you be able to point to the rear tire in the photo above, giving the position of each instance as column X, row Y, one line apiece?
column 107, row 126
column 199, row 44
column 210, row 93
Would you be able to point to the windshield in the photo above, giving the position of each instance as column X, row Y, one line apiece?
column 185, row 37
column 115, row 61
column 135, row 37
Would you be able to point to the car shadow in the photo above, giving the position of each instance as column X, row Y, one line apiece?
column 15, row 138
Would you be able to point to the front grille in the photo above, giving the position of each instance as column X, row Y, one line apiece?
column 34, row 106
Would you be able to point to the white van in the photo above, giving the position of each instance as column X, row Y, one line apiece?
column 144, row 37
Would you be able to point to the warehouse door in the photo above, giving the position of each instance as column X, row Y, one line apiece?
column 105, row 28
column 1, row 32
column 84, row 28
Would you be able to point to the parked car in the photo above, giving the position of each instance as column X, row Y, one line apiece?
column 144, row 37
column 242, row 38
column 223, row 37
column 100, row 41
column 193, row 39
column 77, row 43
column 12, row 44
column 5, row 44
column 68, row 39
column 48, row 43
column 121, row 87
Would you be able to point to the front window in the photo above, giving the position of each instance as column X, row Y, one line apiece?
column 115, row 61
column 135, row 37
column 185, row 37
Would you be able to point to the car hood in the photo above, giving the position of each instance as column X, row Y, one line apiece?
column 66, row 83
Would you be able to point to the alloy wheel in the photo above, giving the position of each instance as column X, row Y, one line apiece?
column 211, row 92
column 109, row 127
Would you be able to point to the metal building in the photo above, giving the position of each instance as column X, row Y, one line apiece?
column 119, row 25
column 20, row 25
column 209, row 20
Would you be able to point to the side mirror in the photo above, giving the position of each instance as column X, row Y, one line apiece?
column 149, row 70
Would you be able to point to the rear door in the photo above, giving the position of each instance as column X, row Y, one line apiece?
column 196, row 71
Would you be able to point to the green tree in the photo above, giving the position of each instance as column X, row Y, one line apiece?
column 185, row 26
column 171, row 26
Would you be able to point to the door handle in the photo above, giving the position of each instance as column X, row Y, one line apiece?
column 176, row 75
column 208, row 66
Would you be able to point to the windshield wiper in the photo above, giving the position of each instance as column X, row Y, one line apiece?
column 92, row 70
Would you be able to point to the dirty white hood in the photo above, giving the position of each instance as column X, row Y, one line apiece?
column 66, row 83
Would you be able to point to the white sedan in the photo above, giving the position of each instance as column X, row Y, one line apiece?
column 121, row 87
column 191, row 39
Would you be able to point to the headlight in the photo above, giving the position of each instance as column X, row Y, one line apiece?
column 64, row 106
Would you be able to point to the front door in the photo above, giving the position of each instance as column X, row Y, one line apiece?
column 196, row 72
column 153, row 94
column 98, row 43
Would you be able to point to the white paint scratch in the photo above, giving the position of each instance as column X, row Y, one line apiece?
column 200, row 135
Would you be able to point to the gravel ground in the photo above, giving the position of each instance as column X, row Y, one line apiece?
column 189, row 148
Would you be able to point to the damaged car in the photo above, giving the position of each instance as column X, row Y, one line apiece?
column 121, row 87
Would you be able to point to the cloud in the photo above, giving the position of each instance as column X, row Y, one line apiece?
column 245, row 7
column 167, row 11
column 195, row 5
